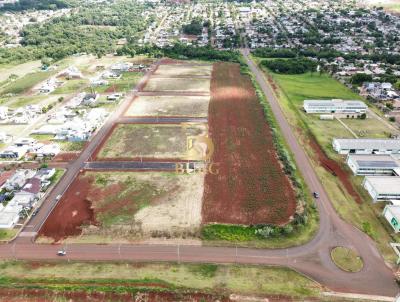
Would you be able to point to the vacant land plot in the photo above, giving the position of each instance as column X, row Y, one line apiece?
column 178, row 84
column 130, row 141
column 194, row 106
column 19, row 70
column 251, row 186
column 183, row 70
column 106, row 206
column 368, row 128
column 25, row 83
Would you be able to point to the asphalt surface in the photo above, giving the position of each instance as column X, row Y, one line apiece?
column 311, row 259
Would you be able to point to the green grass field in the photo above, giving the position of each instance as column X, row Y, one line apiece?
column 71, row 86
column 292, row 90
column 246, row 279
column 23, row 84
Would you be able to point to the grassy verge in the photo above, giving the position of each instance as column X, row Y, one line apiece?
column 246, row 280
column 6, row 235
column 346, row 259
column 25, row 83
column 72, row 146
column 291, row 91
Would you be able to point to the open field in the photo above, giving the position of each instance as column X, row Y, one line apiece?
column 346, row 193
column 194, row 106
column 42, row 100
column 389, row 5
column 178, row 84
column 251, row 187
column 129, row 141
column 19, row 70
column 183, row 70
column 71, row 86
column 110, row 206
column 213, row 279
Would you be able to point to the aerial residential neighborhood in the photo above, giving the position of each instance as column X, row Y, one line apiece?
column 199, row 151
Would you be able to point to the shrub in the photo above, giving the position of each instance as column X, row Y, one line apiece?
column 291, row 66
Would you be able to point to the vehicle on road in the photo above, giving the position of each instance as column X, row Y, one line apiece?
column 34, row 213
column 58, row 197
column 316, row 195
column 61, row 253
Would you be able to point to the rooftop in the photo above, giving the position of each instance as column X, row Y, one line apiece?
column 385, row 184
column 360, row 143
column 375, row 161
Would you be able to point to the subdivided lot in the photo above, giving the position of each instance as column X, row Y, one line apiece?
column 178, row 84
column 132, row 141
column 194, row 106
column 344, row 190
column 183, row 70
column 112, row 206
column 251, row 187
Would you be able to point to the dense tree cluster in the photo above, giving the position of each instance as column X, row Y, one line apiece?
column 91, row 30
column 193, row 28
column 22, row 5
column 290, row 66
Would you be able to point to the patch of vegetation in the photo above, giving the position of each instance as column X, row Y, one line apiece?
column 72, row 146
column 6, row 235
column 347, row 259
column 291, row 66
column 25, row 83
column 22, row 5
column 57, row 176
column 204, row 270
column 195, row 27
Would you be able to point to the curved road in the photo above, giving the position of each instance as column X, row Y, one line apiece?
column 311, row 259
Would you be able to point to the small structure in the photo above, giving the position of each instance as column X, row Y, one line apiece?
column 373, row 165
column 382, row 188
column 392, row 215
column 366, row 146
column 335, row 106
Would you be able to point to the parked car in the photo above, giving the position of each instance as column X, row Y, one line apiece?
column 316, row 195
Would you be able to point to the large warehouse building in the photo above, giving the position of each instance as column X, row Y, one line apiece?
column 373, row 165
column 382, row 188
column 366, row 146
column 335, row 106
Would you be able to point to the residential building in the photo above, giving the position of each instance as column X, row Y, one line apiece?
column 382, row 188
column 366, row 146
column 374, row 165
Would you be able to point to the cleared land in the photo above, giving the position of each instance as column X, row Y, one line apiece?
column 129, row 141
column 183, row 70
column 110, row 206
column 178, row 84
column 345, row 191
column 19, row 70
column 251, row 187
column 194, row 106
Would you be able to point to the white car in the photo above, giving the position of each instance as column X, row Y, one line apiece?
column 61, row 253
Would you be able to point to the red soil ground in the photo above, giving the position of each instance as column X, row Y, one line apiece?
column 66, row 156
column 42, row 295
column 72, row 211
column 251, row 187
column 335, row 169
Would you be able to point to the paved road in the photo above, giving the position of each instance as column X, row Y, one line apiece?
column 162, row 120
column 312, row 259
column 136, row 165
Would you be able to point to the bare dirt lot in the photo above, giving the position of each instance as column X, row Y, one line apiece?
column 183, row 70
column 178, row 84
column 193, row 106
column 251, row 186
column 134, row 141
column 109, row 206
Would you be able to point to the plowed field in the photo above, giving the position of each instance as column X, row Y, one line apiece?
column 251, row 186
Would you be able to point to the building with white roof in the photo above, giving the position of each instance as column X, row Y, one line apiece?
column 374, row 165
column 366, row 146
column 335, row 106
column 382, row 188
column 392, row 215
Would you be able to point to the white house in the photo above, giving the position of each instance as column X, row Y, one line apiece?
column 382, row 188
column 366, row 146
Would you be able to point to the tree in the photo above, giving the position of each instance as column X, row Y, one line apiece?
column 359, row 78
